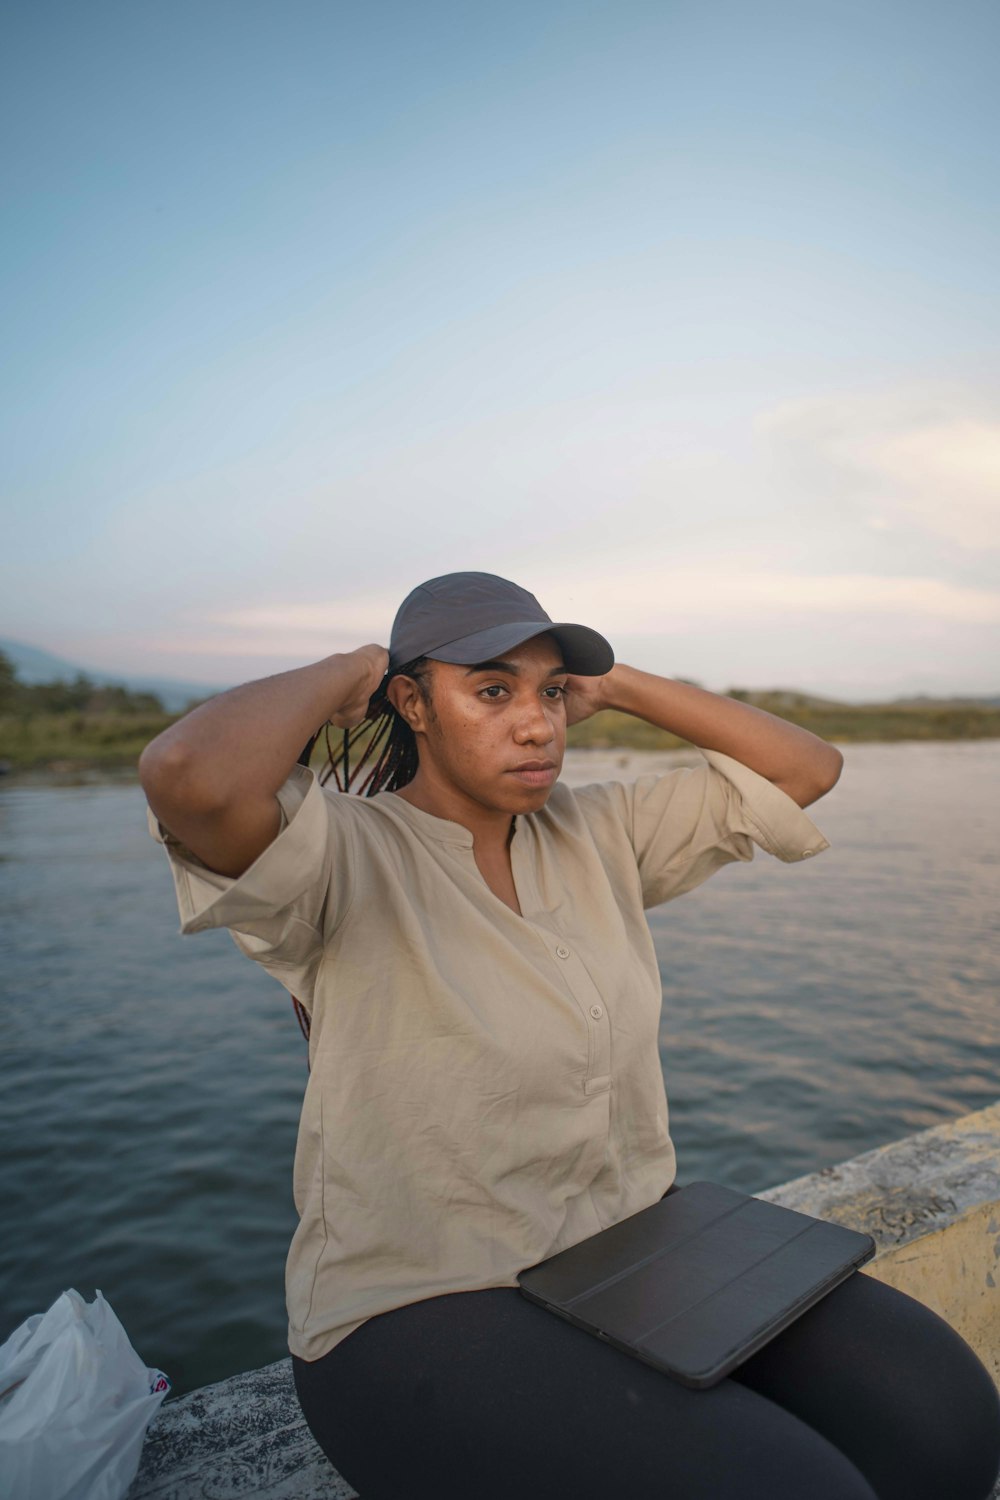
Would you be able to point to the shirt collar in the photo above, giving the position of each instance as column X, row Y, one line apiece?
column 441, row 829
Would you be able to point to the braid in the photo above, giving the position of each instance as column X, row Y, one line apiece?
column 388, row 746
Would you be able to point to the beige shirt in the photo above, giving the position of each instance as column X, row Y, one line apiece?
column 485, row 1088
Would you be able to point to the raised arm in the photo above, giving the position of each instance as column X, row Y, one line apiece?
column 797, row 761
column 212, row 777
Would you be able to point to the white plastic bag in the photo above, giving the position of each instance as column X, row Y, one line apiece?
column 75, row 1402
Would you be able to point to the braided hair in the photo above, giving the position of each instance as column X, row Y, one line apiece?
column 388, row 746
column 387, row 759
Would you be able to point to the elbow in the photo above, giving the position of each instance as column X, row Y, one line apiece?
column 833, row 764
column 173, row 777
column 820, row 777
column 824, row 777
column 164, row 762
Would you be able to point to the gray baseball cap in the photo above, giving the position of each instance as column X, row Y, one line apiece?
column 471, row 617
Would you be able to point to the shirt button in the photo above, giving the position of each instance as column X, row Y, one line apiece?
column 597, row 1012
column 562, row 952
column 806, row 853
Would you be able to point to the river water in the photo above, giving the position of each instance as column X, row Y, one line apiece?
column 151, row 1084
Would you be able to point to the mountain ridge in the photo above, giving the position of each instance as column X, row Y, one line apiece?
column 34, row 664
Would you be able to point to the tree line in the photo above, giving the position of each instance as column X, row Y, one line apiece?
column 76, row 695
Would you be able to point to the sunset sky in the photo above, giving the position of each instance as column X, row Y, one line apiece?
column 683, row 315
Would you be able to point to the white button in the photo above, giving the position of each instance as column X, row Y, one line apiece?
column 562, row 952
column 806, row 853
column 597, row 1012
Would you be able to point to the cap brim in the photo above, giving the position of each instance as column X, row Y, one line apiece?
column 585, row 652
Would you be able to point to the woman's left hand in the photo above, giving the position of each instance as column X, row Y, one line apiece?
column 585, row 696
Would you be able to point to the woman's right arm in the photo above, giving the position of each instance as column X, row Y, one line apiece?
column 212, row 778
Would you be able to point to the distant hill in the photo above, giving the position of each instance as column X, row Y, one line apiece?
column 923, row 700
column 35, row 665
column 781, row 698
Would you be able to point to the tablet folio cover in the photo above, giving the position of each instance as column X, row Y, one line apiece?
column 699, row 1281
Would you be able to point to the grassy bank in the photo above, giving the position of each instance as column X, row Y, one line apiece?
column 70, row 725
column 846, row 723
column 69, row 741
column 65, row 742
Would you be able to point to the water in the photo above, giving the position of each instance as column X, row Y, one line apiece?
column 152, row 1084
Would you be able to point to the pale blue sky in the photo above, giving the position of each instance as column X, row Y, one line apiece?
column 683, row 315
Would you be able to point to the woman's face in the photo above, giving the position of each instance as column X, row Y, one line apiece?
column 495, row 734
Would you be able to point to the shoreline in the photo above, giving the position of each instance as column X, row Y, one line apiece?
column 89, row 743
column 583, row 763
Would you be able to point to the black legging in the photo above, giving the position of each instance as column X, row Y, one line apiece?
column 485, row 1396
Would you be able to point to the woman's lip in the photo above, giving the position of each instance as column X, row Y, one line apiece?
column 542, row 776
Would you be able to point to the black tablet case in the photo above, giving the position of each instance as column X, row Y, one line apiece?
column 698, row 1282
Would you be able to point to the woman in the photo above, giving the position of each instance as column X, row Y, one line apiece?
column 469, row 944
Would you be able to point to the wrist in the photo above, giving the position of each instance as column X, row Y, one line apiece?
column 350, row 678
column 616, row 688
column 354, row 667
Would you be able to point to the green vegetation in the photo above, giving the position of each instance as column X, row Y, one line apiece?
column 847, row 723
column 81, row 726
column 73, row 725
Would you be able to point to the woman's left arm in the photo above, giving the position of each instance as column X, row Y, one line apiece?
column 799, row 762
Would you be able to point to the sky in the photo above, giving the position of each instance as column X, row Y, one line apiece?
column 683, row 315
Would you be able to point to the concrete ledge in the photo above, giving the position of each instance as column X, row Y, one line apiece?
column 931, row 1202
column 243, row 1436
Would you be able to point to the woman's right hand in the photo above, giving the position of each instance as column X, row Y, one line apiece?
column 213, row 777
column 371, row 663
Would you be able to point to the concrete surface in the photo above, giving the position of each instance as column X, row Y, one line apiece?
column 931, row 1202
column 245, row 1436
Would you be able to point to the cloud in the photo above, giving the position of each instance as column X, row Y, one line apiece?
column 331, row 617
column 927, row 462
column 645, row 601
column 634, row 601
column 820, row 541
column 946, row 479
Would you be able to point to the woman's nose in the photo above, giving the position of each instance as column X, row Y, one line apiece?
column 535, row 726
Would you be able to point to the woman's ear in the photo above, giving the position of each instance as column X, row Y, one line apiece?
column 405, row 697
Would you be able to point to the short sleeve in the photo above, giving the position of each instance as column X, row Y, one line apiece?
column 281, row 910
column 686, row 824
